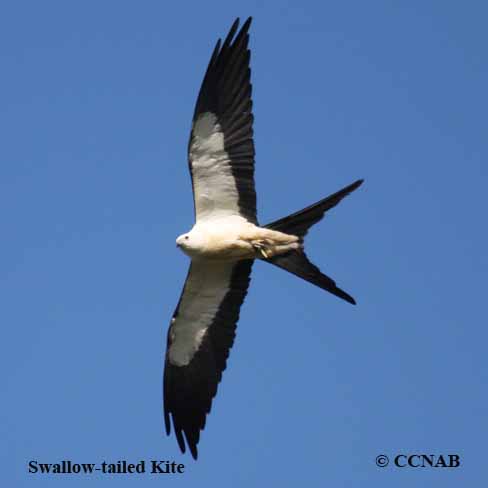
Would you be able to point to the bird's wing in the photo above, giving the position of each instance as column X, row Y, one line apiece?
column 221, row 147
column 200, row 336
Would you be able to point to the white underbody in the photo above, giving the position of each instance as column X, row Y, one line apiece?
column 231, row 238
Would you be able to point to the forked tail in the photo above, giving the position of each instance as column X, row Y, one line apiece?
column 296, row 262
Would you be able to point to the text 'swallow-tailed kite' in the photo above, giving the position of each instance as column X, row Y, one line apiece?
column 225, row 240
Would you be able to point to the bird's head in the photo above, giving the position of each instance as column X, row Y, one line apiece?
column 181, row 240
column 190, row 243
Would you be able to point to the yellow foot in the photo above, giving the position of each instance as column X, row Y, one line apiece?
column 263, row 252
column 259, row 246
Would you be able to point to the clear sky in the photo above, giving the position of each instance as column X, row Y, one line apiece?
column 95, row 108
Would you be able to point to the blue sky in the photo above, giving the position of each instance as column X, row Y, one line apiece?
column 96, row 104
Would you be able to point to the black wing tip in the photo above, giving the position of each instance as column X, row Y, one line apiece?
column 182, row 438
column 189, row 440
column 235, row 26
column 167, row 423
column 232, row 32
column 246, row 24
column 193, row 451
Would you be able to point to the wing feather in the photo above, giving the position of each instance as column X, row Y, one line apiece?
column 200, row 336
column 221, row 147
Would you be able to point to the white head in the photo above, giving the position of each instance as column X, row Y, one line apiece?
column 191, row 243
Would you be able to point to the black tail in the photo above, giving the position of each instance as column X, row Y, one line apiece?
column 296, row 262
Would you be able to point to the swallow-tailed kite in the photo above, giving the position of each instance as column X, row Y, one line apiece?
column 225, row 240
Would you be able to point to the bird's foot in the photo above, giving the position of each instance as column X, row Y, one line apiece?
column 260, row 247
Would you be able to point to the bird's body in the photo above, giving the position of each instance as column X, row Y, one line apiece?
column 225, row 240
column 233, row 238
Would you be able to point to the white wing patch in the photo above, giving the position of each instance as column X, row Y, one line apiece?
column 205, row 289
column 214, row 185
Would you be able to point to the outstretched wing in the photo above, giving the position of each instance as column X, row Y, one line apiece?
column 221, row 147
column 200, row 336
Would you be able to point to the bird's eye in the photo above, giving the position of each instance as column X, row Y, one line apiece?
column 186, row 238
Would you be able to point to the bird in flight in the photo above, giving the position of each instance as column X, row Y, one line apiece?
column 225, row 240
